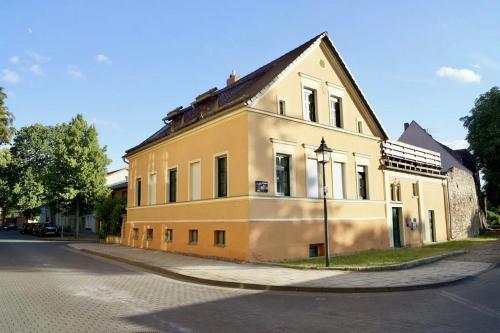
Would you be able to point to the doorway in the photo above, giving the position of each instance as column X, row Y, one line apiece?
column 431, row 226
column 396, row 235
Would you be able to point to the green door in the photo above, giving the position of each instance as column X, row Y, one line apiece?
column 395, row 227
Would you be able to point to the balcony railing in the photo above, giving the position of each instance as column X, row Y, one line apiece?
column 399, row 155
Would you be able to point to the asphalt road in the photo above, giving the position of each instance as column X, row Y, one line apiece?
column 45, row 287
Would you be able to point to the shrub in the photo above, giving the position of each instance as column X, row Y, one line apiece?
column 109, row 213
column 493, row 218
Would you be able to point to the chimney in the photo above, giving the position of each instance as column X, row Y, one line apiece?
column 406, row 126
column 232, row 78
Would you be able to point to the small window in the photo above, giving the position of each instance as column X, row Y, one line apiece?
column 335, row 111
column 221, row 175
column 138, row 190
column 169, row 235
column 283, row 175
column 316, row 250
column 360, row 126
column 220, row 238
column 124, row 196
column 172, row 185
column 309, row 96
column 395, row 191
column 281, row 107
column 415, row 189
column 149, row 234
column 135, row 233
column 193, row 236
column 362, row 182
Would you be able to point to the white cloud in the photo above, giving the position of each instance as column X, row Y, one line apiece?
column 75, row 72
column 102, row 59
column 106, row 124
column 29, row 30
column 37, row 70
column 10, row 76
column 456, row 144
column 459, row 74
column 14, row 59
column 37, row 57
column 476, row 66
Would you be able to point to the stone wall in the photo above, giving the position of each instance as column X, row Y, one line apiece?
column 466, row 215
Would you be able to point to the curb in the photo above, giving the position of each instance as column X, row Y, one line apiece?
column 393, row 267
column 254, row 286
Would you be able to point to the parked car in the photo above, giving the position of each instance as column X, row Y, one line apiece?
column 9, row 227
column 47, row 229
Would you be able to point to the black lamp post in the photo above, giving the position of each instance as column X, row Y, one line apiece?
column 323, row 155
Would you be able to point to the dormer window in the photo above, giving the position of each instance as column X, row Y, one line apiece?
column 310, row 109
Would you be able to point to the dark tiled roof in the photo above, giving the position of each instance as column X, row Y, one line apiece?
column 460, row 158
column 241, row 91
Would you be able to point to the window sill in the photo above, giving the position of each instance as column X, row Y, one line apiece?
column 193, row 243
column 219, row 245
column 168, row 241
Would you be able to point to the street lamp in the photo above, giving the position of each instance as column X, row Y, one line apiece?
column 323, row 155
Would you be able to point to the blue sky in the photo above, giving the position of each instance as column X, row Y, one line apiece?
column 125, row 64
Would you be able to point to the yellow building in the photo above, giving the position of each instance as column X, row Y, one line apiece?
column 235, row 175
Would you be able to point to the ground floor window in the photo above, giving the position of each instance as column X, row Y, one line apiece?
column 169, row 235
column 193, row 236
column 316, row 250
column 135, row 233
column 149, row 234
column 432, row 231
column 283, row 174
column 220, row 237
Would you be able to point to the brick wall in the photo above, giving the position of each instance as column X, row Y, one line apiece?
column 466, row 215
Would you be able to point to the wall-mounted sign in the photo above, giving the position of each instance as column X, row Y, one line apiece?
column 261, row 186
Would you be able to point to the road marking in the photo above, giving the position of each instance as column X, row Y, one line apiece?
column 472, row 305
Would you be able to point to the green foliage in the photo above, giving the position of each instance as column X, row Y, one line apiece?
column 108, row 213
column 483, row 126
column 6, row 120
column 6, row 201
column 29, row 163
column 77, row 173
column 493, row 218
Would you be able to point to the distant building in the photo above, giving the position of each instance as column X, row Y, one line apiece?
column 467, row 210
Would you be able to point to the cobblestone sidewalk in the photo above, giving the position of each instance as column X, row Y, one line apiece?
column 247, row 275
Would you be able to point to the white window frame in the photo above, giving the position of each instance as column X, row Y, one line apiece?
column 364, row 161
column 339, row 157
column 286, row 148
column 167, row 184
column 309, row 154
column 310, row 83
column 189, row 179
column 278, row 100
column 332, row 111
column 152, row 189
column 136, row 199
column 216, row 174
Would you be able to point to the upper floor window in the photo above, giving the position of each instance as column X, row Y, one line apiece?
column 310, row 109
column 361, row 171
column 195, row 181
column 335, row 111
column 281, row 106
column 283, row 174
column 138, row 190
column 313, row 186
column 152, row 189
column 359, row 126
column 396, row 191
column 221, row 175
column 172, row 185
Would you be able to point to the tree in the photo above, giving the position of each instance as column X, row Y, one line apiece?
column 483, row 126
column 109, row 213
column 77, row 170
column 6, row 120
column 6, row 201
column 31, row 154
